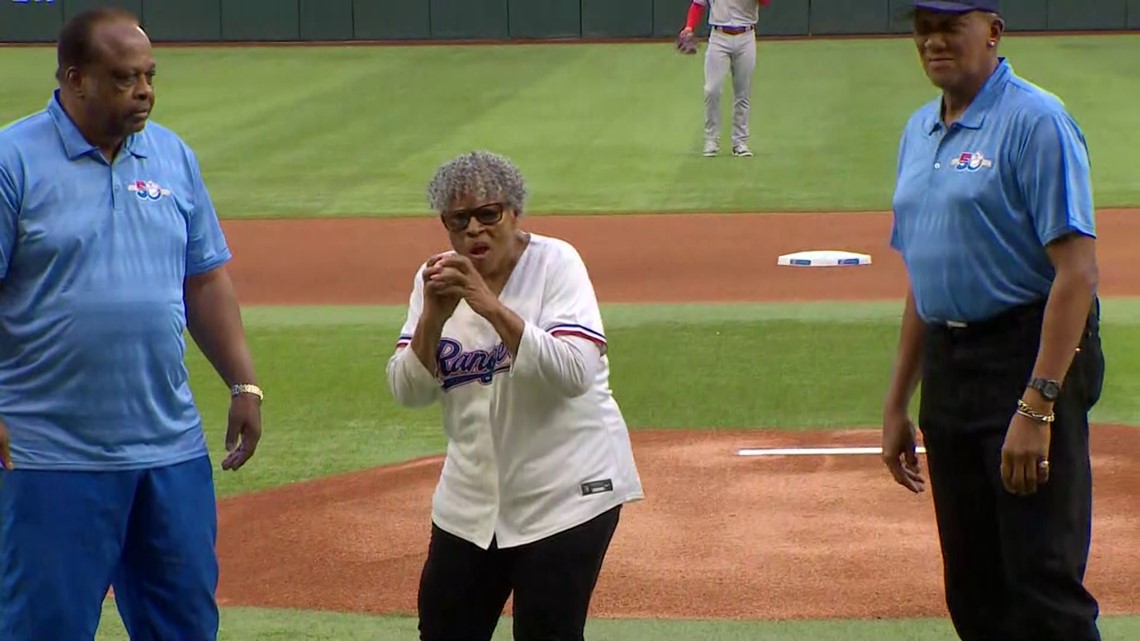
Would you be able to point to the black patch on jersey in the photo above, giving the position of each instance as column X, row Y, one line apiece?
column 595, row 487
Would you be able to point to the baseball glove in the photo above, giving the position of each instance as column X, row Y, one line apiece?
column 686, row 42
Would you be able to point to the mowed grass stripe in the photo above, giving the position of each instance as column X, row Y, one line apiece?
column 367, row 117
column 596, row 128
column 578, row 126
column 249, row 624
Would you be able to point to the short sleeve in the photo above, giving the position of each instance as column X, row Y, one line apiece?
column 415, row 308
column 569, row 304
column 9, row 215
column 895, row 238
column 206, row 246
column 1054, row 177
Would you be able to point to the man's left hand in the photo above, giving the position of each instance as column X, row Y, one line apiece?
column 1026, row 446
column 457, row 273
column 245, row 423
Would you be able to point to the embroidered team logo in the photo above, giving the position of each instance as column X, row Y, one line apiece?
column 972, row 161
column 458, row 367
column 148, row 190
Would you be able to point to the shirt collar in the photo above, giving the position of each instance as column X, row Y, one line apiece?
column 73, row 141
column 975, row 115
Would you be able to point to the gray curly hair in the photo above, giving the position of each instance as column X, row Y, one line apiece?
column 482, row 174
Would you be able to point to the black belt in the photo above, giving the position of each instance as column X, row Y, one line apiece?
column 1009, row 318
column 1004, row 320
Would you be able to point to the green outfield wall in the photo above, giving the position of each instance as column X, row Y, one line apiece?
column 283, row 20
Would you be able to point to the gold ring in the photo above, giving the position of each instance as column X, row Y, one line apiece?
column 1043, row 464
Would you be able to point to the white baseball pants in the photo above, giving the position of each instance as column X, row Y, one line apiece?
column 736, row 54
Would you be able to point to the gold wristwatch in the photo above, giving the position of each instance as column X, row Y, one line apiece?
column 245, row 388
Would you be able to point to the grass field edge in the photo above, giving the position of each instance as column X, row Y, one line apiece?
column 1123, row 310
column 382, row 627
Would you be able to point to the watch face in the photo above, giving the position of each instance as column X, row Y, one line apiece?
column 1049, row 389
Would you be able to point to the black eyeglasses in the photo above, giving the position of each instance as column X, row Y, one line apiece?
column 489, row 214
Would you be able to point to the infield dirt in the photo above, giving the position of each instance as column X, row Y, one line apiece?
column 719, row 535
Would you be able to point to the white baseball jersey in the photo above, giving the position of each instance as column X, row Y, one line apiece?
column 732, row 13
column 537, row 443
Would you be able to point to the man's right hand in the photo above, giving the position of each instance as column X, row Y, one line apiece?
column 899, row 450
column 5, row 454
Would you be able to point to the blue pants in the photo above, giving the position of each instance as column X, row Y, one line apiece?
column 65, row 537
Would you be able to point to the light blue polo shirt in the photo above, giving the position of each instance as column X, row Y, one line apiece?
column 92, row 261
column 976, row 204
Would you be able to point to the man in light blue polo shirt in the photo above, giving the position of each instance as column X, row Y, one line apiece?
column 109, row 249
column 993, row 217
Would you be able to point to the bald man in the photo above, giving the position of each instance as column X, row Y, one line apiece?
column 109, row 249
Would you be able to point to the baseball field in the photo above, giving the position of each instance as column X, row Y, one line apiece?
column 318, row 159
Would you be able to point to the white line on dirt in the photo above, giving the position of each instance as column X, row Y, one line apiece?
column 815, row 451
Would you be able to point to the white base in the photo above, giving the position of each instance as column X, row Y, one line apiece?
column 815, row 451
column 824, row 258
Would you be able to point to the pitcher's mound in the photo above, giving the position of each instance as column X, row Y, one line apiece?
column 719, row 535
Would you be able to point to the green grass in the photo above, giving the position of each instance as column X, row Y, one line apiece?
column 596, row 128
column 242, row 624
column 787, row 366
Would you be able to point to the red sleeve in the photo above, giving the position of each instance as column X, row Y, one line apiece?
column 694, row 19
column 764, row 2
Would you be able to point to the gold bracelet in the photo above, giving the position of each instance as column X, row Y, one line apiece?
column 1024, row 409
column 245, row 388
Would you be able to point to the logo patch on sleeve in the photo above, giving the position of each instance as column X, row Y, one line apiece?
column 596, row 487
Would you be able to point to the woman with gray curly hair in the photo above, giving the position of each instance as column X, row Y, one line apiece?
column 505, row 332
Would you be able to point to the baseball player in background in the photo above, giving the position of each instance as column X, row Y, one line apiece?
column 732, row 48
column 505, row 332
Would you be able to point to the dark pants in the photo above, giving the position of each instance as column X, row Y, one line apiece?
column 1013, row 566
column 65, row 537
column 463, row 588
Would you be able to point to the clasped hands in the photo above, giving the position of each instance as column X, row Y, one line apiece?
column 449, row 278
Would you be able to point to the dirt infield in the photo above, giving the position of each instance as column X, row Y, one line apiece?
column 637, row 258
column 720, row 535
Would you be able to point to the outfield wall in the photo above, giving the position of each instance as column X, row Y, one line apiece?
column 277, row 20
